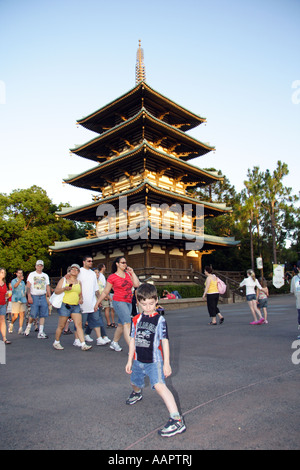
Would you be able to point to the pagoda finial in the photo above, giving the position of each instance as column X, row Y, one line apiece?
column 140, row 70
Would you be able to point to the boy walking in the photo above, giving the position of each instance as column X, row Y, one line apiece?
column 149, row 354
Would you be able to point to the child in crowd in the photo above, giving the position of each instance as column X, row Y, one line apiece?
column 149, row 354
column 262, row 298
column 251, row 284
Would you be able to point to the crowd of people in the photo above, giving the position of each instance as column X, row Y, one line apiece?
column 81, row 294
column 85, row 291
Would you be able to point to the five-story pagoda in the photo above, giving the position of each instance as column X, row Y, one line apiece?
column 142, row 208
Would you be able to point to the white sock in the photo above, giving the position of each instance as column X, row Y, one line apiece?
column 41, row 328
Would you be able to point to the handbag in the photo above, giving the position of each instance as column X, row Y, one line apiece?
column 221, row 286
column 56, row 299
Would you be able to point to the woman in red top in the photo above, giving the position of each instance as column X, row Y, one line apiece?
column 122, row 280
column 3, row 295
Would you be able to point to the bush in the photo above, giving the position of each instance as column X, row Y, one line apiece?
column 186, row 292
column 283, row 290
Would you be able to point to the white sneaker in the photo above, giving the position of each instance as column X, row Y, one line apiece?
column 114, row 345
column 20, row 331
column 58, row 346
column 101, row 342
column 106, row 339
column 88, row 339
column 27, row 331
column 77, row 343
column 42, row 336
column 85, row 347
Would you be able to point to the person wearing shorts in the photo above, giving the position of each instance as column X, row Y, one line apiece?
column 149, row 355
column 262, row 299
column 3, row 297
column 122, row 280
column 106, row 303
column 18, row 301
column 95, row 318
column 70, row 307
column 38, row 287
column 90, row 293
column 251, row 283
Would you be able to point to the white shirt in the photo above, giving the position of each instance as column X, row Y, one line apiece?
column 250, row 285
column 89, row 286
column 102, row 280
column 38, row 283
column 295, row 289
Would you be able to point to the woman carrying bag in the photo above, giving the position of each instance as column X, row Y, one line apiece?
column 211, row 293
column 71, row 288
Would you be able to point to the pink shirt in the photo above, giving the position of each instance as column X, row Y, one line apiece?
column 122, row 287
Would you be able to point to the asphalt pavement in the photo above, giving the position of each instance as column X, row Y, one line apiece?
column 237, row 386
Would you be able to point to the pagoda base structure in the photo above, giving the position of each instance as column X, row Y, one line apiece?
column 163, row 261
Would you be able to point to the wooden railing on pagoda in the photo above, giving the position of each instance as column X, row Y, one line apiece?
column 169, row 275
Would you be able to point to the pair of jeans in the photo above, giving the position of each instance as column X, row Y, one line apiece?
column 154, row 370
column 123, row 310
column 39, row 308
column 64, row 311
column 94, row 320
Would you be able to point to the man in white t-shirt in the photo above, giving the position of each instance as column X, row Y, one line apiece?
column 90, row 292
column 38, row 289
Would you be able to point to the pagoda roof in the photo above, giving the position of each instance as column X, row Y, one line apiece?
column 209, row 241
column 96, row 177
column 141, row 95
column 87, row 212
column 142, row 126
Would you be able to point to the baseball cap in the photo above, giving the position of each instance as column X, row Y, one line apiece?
column 76, row 266
column 39, row 262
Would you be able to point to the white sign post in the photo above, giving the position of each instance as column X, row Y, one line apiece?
column 278, row 275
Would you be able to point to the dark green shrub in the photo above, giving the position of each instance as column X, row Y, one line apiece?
column 186, row 292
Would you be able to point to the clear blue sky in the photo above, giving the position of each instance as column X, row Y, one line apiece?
column 233, row 62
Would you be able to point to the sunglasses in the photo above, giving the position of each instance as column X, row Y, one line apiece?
column 122, row 262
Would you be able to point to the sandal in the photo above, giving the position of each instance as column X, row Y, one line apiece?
column 7, row 342
column 213, row 323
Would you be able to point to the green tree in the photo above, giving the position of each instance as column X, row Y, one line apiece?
column 28, row 225
column 279, row 207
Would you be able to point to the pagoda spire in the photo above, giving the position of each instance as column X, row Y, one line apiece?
column 140, row 70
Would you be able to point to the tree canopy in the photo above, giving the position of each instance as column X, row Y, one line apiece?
column 265, row 218
column 28, row 225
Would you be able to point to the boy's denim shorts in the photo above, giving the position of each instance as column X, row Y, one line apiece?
column 154, row 370
column 64, row 311
column 39, row 308
column 123, row 310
